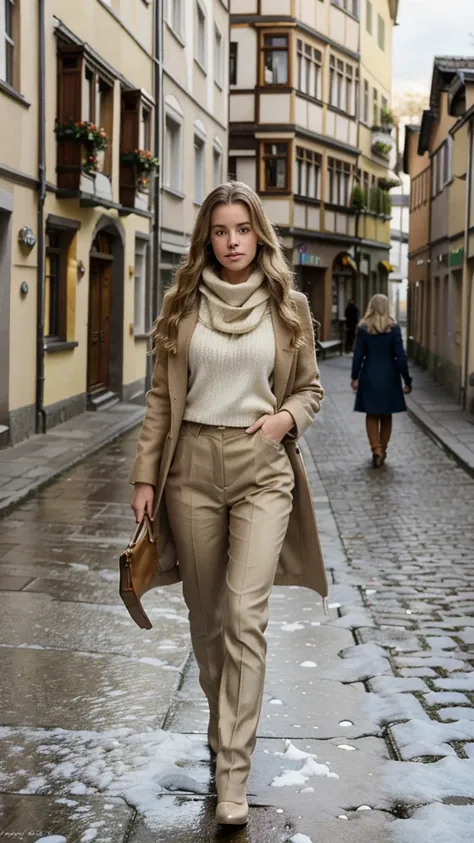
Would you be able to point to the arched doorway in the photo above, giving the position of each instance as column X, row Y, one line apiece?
column 344, row 277
column 105, row 321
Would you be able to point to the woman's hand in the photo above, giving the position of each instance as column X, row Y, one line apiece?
column 355, row 385
column 274, row 428
column 407, row 389
column 142, row 501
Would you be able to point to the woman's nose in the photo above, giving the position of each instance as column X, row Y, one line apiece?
column 233, row 239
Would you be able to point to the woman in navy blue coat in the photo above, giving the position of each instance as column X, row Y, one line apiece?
column 378, row 366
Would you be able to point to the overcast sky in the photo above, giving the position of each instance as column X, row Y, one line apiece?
column 428, row 28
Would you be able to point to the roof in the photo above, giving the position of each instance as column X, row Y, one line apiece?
column 445, row 69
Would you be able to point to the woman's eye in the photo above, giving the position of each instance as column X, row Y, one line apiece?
column 244, row 230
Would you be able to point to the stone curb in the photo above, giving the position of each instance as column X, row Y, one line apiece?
column 77, row 453
column 451, row 444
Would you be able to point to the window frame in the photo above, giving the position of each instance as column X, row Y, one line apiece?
column 175, row 186
column 200, row 47
column 309, row 66
column 308, row 172
column 339, row 174
column 265, row 156
column 176, row 21
column 9, row 36
column 369, row 17
column 233, row 60
column 381, row 34
column 264, row 49
column 199, row 143
column 60, row 252
column 218, row 56
column 142, row 247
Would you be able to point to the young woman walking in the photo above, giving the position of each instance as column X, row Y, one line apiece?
column 235, row 385
column 378, row 366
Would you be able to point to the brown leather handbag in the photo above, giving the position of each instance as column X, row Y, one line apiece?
column 139, row 565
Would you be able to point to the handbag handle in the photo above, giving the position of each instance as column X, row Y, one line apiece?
column 149, row 528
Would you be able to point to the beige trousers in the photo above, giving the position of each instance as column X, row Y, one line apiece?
column 229, row 498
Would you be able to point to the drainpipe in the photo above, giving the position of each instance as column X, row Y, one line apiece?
column 156, row 292
column 40, row 284
column 467, row 275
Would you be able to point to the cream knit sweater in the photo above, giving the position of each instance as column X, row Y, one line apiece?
column 231, row 354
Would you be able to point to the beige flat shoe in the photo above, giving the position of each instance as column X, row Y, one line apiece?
column 232, row 813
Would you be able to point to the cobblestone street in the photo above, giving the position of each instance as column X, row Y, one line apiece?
column 367, row 730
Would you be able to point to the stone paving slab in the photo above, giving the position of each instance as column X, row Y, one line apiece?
column 446, row 422
column 28, row 818
column 31, row 464
column 103, row 692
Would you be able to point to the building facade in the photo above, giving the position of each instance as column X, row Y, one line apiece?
column 438, row 158
column 195, row 118
column 310, row 130
column 77, row 150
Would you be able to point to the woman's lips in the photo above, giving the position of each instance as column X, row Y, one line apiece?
column 234, row 257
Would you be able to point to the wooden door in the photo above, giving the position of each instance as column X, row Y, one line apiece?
column 99, row 324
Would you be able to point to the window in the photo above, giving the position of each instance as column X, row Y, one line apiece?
column 98, row 108
column 308, row 173
column 7, row 42
column 343, row 85
column 173, row 154
column 376, row 107
column 199, row 169
column 55, row 304
column 275, row 60
column 275, row 166
column 381, row 33
column 218, row 56
column 233, row 50
column 366, row 101
column 369, row 18
column 217, row 165
column 145, row 129
column 351, row 6
column 339, row 176
column 232, row 169
column 309, row 64
column 200, row 46
column 141, row 286
column 176, row 15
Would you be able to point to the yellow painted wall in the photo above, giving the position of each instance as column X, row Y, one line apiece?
column 92, row 22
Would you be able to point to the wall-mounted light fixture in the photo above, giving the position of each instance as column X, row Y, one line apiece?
column 24, row 289
column 80, row 269
column 26, row 237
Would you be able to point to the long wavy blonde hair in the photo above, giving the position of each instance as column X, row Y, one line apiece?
column 377, row 318
column 180, row 299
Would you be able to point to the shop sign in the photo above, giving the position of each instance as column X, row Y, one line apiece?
column 456, row 257
column 309, row 260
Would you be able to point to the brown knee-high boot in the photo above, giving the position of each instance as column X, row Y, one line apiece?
column 372, row 424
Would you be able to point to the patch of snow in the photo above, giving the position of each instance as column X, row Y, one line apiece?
column 307, row 790
column 345, row 723
column 154, row 662
column 300, row 838
column 342, row 817
column 310, row 768
column 291, row 627
column 445, row 697
column 120, row 763
column 346, row 747
column 109, row 576
column 428, row 737
column 276, row 702
column 364, row 808
column 457, row 682
column 308, row 664
column 436, row 823
column 78, row 566
column 413, row 784
column 53, row 838
column 393, row 707
column 359, row 663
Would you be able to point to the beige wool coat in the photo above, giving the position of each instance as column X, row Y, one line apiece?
column 297, row 389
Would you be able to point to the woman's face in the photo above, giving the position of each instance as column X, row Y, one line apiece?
column 232, row 237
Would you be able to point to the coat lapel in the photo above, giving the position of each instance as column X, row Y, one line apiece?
column 284, row 355
column 178, row 369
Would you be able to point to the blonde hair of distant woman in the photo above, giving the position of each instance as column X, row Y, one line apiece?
column 377, row 318
column 181, row 297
